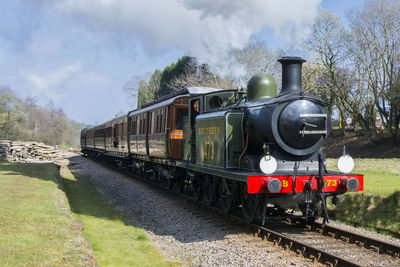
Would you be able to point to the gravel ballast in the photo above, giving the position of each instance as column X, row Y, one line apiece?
column 181, row 231
column 186, row 233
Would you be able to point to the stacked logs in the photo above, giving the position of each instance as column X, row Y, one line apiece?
column 28, row 151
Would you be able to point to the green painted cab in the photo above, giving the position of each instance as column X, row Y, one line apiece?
column 219, row 138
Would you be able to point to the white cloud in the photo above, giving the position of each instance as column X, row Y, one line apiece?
column 205, row 29
column 79, row 54
column 49, row 85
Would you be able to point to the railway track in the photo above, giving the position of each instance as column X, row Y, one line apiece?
column 395, row 234
column 331, row 245
column 325, row 244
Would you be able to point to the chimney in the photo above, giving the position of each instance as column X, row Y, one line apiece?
column 291, row 75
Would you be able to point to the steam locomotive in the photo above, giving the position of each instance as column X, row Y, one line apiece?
column 253, row 151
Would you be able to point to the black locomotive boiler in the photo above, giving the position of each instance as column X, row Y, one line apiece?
column 255, row 151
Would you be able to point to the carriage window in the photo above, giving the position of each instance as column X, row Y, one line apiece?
column 158, row 122
column 143, row 125
column 108, row 132
column 181, row 117
column 150, row 125
column 135, row 126
column 115, row 130
column 138, row 124
column 163, row 120
column 134, row 123
column 153, row 122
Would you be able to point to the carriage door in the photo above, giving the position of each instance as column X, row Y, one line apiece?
column 148, row 120
column 115, row 135
column 129, row 131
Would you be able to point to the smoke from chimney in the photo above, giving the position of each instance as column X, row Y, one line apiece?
column 206, row 29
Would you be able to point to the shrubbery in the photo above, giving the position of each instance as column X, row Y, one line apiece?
column 370, row 210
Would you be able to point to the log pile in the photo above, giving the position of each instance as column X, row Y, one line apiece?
column 28, row 151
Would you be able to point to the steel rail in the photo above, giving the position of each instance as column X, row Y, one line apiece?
column 306, row 250
column 364, row 241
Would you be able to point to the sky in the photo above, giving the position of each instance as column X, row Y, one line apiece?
column 79, row 55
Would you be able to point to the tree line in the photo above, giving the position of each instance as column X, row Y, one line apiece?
column 186, row 71
column 356, row 66
column 24, row 120
column 353, row 65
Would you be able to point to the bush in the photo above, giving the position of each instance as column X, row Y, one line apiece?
column 370, row 210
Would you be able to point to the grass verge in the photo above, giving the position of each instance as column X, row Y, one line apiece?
column 379, row 204
column 114, row 243
column 35, row 224
column 381, row 176
column 370, row 210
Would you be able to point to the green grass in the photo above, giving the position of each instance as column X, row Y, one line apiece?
column 381, row 176
column 35, row 226
column 370, row 210
column 114, row 243
column 37, row 229
column 379, row 204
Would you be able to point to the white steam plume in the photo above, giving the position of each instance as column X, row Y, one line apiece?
column 206, row 29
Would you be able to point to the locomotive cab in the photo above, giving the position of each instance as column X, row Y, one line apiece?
column 203, row 104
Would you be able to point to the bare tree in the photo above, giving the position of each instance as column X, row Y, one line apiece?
column 362, row 63
column 373, row 43
column 314, row 82
column 24, row 120
column 256, row 57
column 339, row 76
column 131, row 88
column 201, row 77
column 148, row 89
